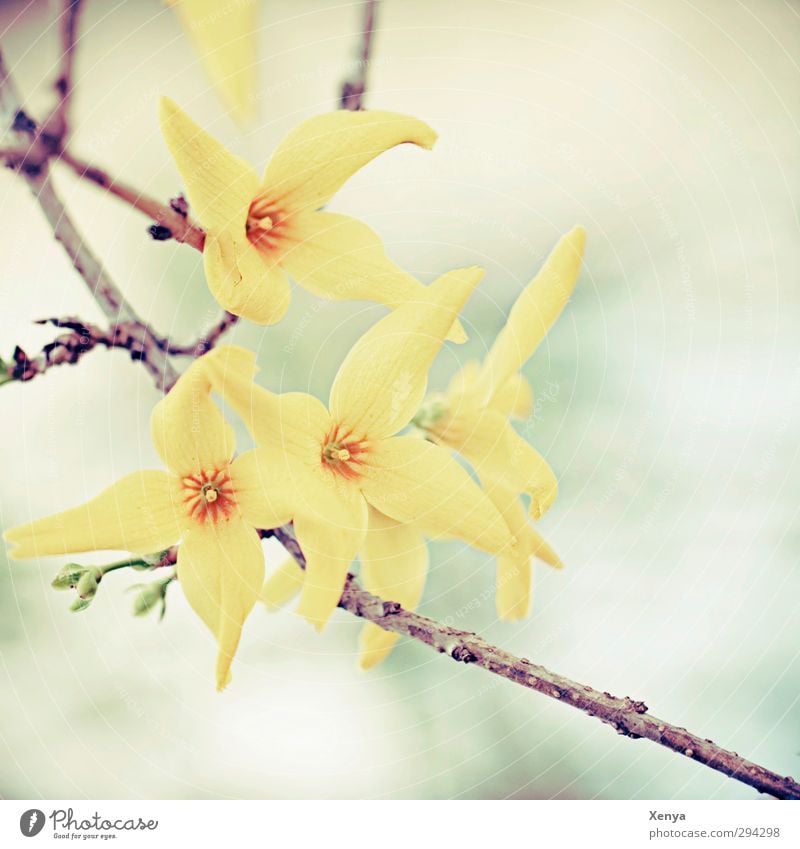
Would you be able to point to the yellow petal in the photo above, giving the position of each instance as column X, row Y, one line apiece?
column 140, row 513
column 282, row 585
column 219, row 185
column 242, row 280
column 338, row 257
column 294, row 423
column 514, row 397
column 329, row 549
column 394, row 565
column 513, row 594
column 188, row 429
column 529, row 541
column 229, row 364
column 413, row 481
column 261, row 481
column 221, row 571
column 514, row 570
column 224, row 36
column 534, row 312
column 318, row 156
column 382, row 381
column 498, row 454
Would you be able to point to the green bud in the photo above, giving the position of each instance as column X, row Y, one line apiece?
column 431, row 410
column 150, row 596
column 87, row 585
column 68, row 577
column 80, row 604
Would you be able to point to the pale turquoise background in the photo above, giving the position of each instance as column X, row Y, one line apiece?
column 669, row 403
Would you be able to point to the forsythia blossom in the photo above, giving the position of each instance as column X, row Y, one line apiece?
column 207, row 501
column 472, row 418
column 335, row 463
column 258, row 230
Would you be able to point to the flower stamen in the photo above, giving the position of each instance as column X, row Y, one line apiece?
column 209, row 496
column 343, row 454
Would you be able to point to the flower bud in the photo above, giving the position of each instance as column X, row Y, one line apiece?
column 68, row 577
column 150, row 596
column 87, row 585
column 80, row 604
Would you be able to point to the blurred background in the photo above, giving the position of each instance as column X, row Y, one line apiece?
column 668, row 402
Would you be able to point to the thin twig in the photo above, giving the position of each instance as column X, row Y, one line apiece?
column 170, row 221
column 102, row 288
column 206, row 342
column 354, row 89
column 68, row 348
column 55, row 129
column 626, row 716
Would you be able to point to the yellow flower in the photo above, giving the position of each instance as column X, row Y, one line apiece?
column 212, row 504
column 336, row 462
column 472, row 418
column 225, row 35
column 257, row 231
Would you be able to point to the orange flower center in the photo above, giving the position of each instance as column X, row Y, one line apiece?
column 342, row 453
column 265, row 224
column 209, row 496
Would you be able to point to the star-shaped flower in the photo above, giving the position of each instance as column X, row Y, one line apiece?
column 336, row 462
column 258, row 230
column 207, row 501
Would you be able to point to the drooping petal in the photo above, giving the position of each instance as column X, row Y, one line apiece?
column 282, row 585
column 225, row 39
column 242, row 280
column 221, row 571
column 219, row 185
column 534, row 312
column 394, row 565
column 498, row 454
column 188, row 429
column 140, row 513
column 338, row 257
column 317, row 157
column 529, row 540
column 513, row 592
column 329, row 549
column 382, row 381
column 514, row 570
column 414, row 481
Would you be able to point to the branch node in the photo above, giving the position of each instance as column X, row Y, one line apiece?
column 159, row 232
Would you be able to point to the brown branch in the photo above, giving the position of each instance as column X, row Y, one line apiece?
column 55, row 129
column 171, row 222
column 354, row 89
column 626, row 716
column 103, row 289
column 68, row 348
column 206, row 342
